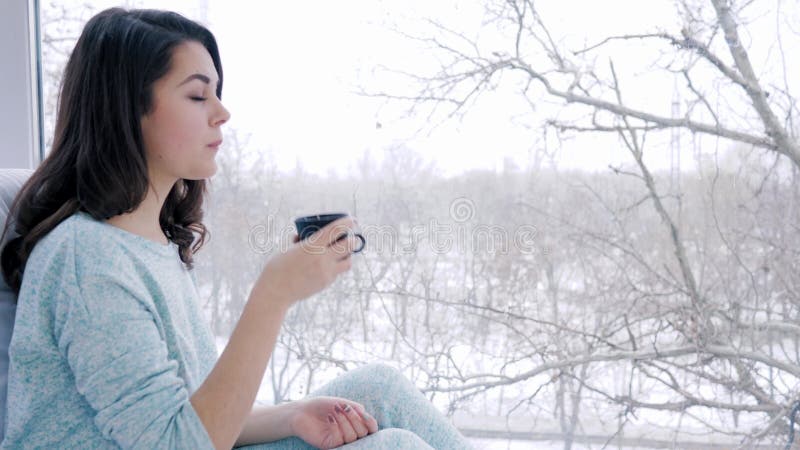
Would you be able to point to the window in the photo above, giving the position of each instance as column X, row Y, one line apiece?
column 581, row 219
column 20, row 114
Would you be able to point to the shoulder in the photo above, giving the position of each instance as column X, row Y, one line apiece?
column 88, row 264
column 78, row 235
column 50, row 271
column 80, row 246
column 83, row 249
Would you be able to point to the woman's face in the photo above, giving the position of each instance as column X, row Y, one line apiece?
column 182, row 130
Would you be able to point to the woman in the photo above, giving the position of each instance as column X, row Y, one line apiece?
column 109, row 348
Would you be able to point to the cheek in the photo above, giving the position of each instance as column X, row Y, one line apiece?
column 173, row 133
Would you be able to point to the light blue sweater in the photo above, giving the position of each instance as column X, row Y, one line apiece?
column 108, row 345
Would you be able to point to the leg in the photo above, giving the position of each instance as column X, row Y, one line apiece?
column 396, row 403
column 389, row 439
column 291, row 443
column 399, row 407
column 386, row 439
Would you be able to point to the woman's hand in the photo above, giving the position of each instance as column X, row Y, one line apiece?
column 328, row 422
column 310, row 265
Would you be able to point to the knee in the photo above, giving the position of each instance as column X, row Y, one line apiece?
column 379, row 381
column 399, row 439
column 376, row 385
column 383, row 374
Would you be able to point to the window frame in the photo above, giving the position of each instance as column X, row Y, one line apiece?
column 21, row 110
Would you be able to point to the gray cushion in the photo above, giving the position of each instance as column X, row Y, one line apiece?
column 10, row 182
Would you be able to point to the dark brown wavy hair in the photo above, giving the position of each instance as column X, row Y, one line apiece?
column 97, row 163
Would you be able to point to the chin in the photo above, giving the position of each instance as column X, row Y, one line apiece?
column 203, row 173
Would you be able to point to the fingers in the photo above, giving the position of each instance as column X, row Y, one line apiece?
column 331, row 247
column 369, row 421
column 345, row 427
column 355, row 419
column 345, row 247
column 335, row 439
column 337, row 238
column 332, row 231
column 351, row 421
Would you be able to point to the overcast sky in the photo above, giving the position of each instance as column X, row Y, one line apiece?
column 292, row 68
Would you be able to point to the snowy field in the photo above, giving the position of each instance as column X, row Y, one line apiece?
column 504, row 444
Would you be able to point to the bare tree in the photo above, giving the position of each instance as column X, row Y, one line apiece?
column 700, row 298
column 643, row 293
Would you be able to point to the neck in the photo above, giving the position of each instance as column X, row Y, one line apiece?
column 144, row 219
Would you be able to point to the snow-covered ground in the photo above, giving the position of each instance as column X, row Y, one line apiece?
column 514, row 444
column 504, row 444
column 543, row 433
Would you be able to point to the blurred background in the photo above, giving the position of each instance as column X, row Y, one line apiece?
column 582, row 217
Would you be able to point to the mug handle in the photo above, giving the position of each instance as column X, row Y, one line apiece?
column 359, row 236
column 363, row 243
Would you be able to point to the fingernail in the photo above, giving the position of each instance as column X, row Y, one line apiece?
column 337, row 408
column 331, row 419
column 346, row 408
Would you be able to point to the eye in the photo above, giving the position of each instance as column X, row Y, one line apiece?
column 198, row 99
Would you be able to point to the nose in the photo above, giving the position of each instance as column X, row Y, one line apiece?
column 221, row 115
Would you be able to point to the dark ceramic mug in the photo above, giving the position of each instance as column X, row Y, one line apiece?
column 308, row 225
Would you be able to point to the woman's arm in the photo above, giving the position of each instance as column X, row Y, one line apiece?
column 225, row 399
column 267, row 424
column 321, row 421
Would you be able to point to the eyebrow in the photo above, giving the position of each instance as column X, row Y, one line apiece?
column 197, row 76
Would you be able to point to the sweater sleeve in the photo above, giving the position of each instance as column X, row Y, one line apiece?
column 119, row 358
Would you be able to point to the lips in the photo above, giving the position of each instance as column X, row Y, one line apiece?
column 215, row 144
